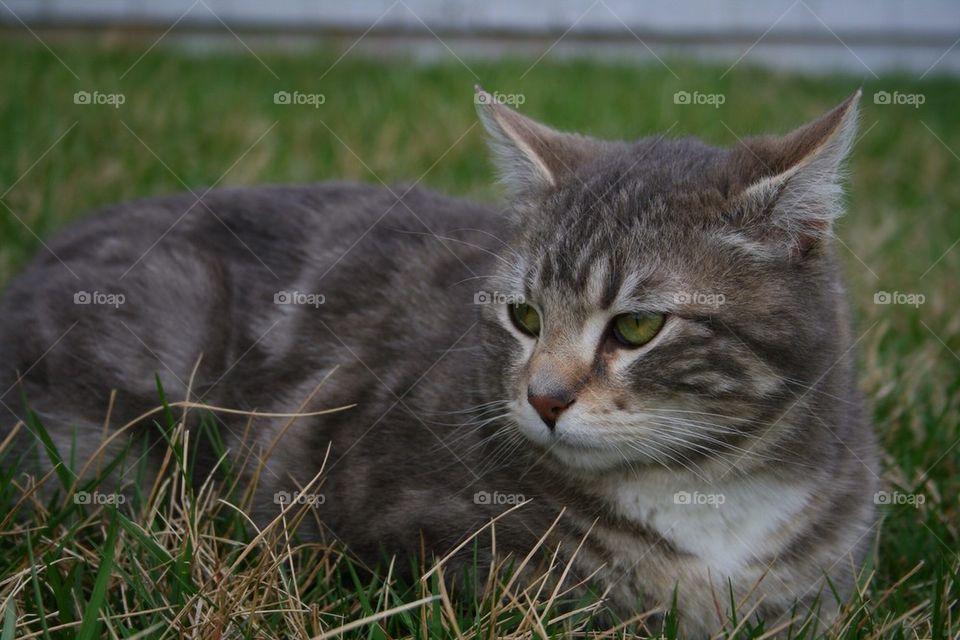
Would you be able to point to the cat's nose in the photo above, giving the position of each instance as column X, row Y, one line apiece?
column 549, row 406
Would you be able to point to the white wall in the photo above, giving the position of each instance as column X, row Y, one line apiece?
column 860, row 36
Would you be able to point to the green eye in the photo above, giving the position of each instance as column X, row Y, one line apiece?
column 636, row 329
column 526, row 318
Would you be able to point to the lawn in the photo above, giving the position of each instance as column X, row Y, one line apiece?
column 168, row 566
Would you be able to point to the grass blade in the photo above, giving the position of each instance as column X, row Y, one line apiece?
column 89, row 628
column 9, row 621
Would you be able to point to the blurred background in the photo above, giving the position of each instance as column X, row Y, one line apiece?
column 860, row 36
column 110, row 100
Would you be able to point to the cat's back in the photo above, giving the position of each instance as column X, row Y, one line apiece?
column 146, row 286
column 279, row 224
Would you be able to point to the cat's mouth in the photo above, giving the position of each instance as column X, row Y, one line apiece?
column 571, row 441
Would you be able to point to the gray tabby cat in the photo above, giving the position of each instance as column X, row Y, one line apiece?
column 654, row 340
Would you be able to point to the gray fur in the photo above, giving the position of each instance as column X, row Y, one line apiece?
column 752, row 396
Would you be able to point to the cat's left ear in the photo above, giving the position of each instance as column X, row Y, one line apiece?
column 531, row 157
column 792, row 185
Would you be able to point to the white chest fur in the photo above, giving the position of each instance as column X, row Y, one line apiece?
column 727, row 524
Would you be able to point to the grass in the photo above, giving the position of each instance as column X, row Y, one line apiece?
column 177, row 561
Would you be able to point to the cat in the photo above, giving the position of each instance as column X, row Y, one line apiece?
column 645, row 359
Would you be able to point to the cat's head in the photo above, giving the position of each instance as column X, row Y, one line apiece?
column 677, row 299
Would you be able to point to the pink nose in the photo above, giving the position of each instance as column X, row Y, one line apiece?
column 549, row 406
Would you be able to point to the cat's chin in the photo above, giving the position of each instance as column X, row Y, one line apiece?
column 595, row 460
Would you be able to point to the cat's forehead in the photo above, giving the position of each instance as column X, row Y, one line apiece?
column 633, row 224
column 630, row 216
column 652, row 183
column 581, row 278
column 589, row 280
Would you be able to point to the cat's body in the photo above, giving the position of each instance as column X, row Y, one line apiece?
column 731, row 445
column 217, row 299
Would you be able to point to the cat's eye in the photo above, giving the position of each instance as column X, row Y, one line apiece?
column 526, row 318
column 637, row 329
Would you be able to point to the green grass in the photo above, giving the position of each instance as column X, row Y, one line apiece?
column 169, row 567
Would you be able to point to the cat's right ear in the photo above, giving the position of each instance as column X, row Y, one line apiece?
column 530, row 157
